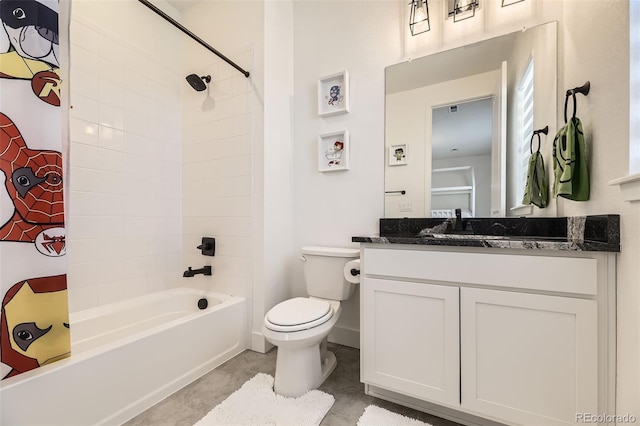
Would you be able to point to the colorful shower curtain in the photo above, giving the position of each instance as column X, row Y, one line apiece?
column 34, row 322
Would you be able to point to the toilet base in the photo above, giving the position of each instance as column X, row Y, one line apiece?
column 301, row 370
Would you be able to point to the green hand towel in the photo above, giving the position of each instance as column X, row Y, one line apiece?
column 536, row 190
column 569, row 163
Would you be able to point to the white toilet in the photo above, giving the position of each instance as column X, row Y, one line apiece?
column 299, row 327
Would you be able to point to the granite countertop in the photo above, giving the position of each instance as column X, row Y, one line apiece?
column 577, row 233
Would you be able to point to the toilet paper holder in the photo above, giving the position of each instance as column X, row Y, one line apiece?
column 355, row 272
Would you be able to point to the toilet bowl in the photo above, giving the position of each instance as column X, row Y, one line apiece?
column 299, row 327
column 303, row 361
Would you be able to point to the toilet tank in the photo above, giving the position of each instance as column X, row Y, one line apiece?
column 324, row 271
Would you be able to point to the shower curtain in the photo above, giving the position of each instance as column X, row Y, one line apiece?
column 34, row 322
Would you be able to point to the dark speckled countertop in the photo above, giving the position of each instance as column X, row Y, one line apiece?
column 577, row 233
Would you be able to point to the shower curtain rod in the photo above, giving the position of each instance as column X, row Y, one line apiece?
column 192, row 35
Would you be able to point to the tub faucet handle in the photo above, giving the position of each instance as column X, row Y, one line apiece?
column 208, row 246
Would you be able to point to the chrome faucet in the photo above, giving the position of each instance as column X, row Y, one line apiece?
column 205, row 270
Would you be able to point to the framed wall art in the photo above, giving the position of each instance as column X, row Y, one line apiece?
column 398, row 155
column 333, row 94
column 333, row 151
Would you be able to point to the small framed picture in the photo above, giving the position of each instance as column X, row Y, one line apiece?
column 333, row 151
column 333, row 94
column 398, row 155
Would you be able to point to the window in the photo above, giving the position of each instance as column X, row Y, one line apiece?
column 525, row 128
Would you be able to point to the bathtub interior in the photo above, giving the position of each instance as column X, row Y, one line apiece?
column 109, row 323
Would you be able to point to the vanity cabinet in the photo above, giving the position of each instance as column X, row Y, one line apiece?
column 489, row 336
column 415, row 349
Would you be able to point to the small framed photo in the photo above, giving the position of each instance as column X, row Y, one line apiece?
column 333, row 94
column 333, row 151
column 398, row 155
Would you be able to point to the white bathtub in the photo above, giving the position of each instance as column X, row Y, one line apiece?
column 126, row 357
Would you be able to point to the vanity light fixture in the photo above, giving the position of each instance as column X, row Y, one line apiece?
column 419, row 17
column 510, row 2
column 463, row 9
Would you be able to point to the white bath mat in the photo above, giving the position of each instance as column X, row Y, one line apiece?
column 255, row 403
column 376, row 416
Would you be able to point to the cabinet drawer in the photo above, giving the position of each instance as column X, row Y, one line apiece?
column 544, row 273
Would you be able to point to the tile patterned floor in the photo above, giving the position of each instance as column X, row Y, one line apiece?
column 195, row 400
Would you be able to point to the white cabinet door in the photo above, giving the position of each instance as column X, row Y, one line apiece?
column 410, row 339
column 528, row 359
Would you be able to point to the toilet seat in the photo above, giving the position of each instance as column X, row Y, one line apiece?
column 297, row 314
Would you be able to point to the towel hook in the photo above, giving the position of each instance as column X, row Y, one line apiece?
column 584, row 89
column 544, row 130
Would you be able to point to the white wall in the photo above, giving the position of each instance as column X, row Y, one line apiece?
column 329, row 208
column 124, row 171
column 595, row 47
column 275, row 245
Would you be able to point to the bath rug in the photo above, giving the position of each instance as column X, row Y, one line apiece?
column 376, row 416
column 255, row 403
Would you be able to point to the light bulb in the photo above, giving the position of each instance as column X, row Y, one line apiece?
column 421, row 12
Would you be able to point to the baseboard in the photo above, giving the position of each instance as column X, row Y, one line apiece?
column 259, row 343
column 345, row 336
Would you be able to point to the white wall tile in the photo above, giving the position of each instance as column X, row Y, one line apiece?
column 110, row 71
column 84, row 203
column 83, row 36
column 110, row 93
column 84, row 108
column 135, row 123
column 86, row 180
column 110, row 50
column 84, row 60
column 84, row 83
column 83, row 131
column 84, row 156
column 135, row 144
column 82, row 275
column 110, row 160
column 111, row 116
column 81, row 298
column 110, row 227
column 112, row 139
column 83, row 227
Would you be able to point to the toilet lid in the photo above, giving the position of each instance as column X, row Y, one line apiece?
column 297, row 314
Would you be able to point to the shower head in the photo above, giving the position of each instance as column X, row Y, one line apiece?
column 198, row 83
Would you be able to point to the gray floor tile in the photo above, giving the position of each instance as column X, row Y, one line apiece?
column 194, row 401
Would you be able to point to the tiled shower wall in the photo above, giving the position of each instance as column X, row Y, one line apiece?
column 217, row 170
column 124, row 173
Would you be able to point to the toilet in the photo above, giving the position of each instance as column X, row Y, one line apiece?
column 299, row 327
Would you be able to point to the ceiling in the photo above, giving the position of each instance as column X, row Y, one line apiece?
column 468, row 130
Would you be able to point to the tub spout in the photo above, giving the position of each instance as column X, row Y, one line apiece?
column 205, row 270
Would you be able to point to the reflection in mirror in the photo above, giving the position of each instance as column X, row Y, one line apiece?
column 466, row 99
column 461, row 158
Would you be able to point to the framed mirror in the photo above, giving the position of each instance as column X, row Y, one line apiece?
column 464, row 118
